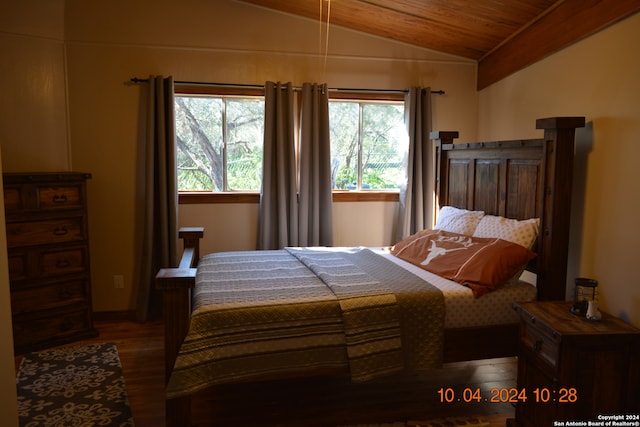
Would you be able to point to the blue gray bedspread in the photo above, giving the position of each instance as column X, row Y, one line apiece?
column 260, row 314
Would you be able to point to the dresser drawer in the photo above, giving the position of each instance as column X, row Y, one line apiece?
column 31, row 331
column 45, row 232
column 60, row 196
column 540, row 343
column 44, row 192
column 36, row 263
column 63, row 261
column 48, row 296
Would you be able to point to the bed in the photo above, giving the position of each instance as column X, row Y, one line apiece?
column 516, row 179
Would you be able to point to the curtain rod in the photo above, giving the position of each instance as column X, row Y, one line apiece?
column 247, row 86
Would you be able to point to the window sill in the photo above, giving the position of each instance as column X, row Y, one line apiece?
column 366, row 196
column 195, row 198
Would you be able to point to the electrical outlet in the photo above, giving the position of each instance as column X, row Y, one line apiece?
column 118, row 282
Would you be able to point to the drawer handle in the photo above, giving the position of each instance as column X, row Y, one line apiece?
column 60, row 198
column 537, row 346
column 63, row 263
column 60, row 231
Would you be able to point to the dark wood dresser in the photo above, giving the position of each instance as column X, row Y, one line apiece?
column 574, row 369
column 48, row 247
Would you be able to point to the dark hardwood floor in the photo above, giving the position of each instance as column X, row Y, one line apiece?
column 317, row 402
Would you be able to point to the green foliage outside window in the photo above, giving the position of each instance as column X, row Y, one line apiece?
column 368, row 144
column 220, row 143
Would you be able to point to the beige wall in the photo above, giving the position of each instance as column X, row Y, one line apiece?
column 355, row 224
column 596, row 78
column 86, row 116
column 33, row 132
column 33, row 105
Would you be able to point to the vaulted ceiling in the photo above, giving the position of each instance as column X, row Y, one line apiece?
column 504, row 36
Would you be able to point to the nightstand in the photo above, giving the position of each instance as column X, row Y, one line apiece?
column 572, row 368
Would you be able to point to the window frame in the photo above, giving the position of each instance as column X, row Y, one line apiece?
column 362, row 103
column 225, row 92
column 253, row 197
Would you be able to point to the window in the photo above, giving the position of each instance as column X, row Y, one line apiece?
column 220, row 132
column 219, row 142
column 368, row 144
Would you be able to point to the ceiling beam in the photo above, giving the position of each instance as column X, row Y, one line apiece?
column 568, row 22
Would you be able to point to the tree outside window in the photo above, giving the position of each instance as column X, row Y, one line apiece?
column 220, row 143
column 368, row 145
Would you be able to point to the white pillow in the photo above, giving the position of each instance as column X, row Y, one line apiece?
column 456, row 220
column 523, row 232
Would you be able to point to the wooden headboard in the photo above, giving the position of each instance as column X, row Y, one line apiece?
column 518, row 179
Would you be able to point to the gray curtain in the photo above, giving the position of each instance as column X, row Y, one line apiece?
column 160, row 210
column 417, row 194
column 315, row 207
column 278, row 211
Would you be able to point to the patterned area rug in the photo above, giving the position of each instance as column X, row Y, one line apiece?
column 73, row 386
column 440, row 422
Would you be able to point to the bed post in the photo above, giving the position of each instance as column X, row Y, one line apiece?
column 559, row 142
column 176, row 284
column 441, row 138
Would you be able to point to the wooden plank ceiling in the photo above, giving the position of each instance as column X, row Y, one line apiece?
column 504, row 36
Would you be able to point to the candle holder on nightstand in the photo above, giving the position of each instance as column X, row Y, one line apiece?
column 585, row 292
